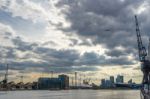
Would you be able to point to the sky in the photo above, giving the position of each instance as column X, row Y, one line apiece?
column 95, row 38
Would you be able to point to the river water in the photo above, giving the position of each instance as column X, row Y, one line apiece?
column 72, row 94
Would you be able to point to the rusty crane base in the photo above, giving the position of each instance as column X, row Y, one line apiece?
column 145, row 90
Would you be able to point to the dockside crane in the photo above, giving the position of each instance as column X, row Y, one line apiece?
column 145, row 64
column 141, row 48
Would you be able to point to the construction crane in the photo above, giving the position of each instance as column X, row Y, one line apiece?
column 141, row 48
column 145, row 64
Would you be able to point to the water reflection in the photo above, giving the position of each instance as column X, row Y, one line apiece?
column 72, row 94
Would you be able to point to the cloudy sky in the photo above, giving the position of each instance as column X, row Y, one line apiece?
column 92, row 37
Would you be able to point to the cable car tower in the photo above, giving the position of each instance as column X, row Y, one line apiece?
column 145, row 64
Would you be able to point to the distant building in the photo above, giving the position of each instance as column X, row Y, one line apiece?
column 120, row 79
column 102, row 83
column 112, row 79
column 49, row 83
column 64, row 81
column 106, row 83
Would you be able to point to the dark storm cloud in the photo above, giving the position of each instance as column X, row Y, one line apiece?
column 69, row 54
column 57, row 58
column 22, row 65
column 120, row 61
column 115, row 53
column 91, row 58
column 121, row 52
column 106, row 22
column 63, row 60
column 22, row 45
column 7, row 52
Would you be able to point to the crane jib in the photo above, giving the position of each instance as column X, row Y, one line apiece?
column 145, row 64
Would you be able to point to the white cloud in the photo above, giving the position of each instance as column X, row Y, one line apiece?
column 6, row 33
column 34, row 11
column 39, row 12
column 141, row 8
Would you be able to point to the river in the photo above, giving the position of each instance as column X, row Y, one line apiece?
column 72, row 94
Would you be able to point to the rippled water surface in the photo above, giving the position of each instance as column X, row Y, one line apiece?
column 72, row 94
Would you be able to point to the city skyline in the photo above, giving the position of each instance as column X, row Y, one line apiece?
column 67, row 36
